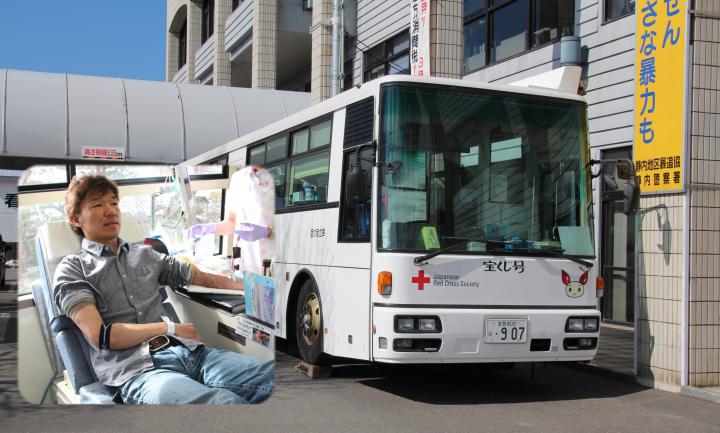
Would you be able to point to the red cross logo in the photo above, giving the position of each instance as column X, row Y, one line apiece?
column 421, row 280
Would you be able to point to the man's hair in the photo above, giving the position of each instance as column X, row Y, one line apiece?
column 80, row 187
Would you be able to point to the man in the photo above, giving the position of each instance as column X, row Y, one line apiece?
column 110, row 289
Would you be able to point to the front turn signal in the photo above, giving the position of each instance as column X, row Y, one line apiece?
column 384, row 286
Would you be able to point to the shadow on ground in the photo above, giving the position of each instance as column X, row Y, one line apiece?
column 459, row 384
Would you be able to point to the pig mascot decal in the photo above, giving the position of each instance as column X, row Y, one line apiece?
column 574, row 289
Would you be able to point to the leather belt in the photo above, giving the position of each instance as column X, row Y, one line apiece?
column 160, row 342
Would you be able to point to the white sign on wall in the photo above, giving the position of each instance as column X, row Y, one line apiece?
column 106, row 153
column 420, row 37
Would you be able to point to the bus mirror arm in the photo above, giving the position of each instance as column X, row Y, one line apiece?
column 630, row 188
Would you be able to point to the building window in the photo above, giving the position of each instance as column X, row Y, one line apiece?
column 208, row 20
column 307, row 5
column 388, row 58
column 348, row 74
column 615, row 9
column 495, row 31
column 182, row 45
column 235, row 4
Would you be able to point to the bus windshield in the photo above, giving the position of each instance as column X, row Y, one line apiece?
column 492, row 172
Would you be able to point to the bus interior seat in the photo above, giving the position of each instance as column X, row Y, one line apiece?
column 54, row 241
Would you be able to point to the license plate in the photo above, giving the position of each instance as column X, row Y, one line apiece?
column 505, row 330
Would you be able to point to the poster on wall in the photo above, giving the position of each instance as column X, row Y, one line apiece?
column 659, row 129
column 420, row 37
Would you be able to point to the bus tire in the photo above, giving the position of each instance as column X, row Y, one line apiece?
column 309, row 324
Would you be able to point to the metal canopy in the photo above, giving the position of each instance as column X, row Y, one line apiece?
column 44, row 115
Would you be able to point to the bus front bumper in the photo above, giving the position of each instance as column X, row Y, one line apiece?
column 477, row 336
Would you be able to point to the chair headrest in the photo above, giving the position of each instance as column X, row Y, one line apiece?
column 59, row 240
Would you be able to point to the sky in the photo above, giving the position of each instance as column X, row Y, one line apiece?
column 108, row 38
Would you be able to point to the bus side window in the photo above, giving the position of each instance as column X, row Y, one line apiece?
column 355, row 219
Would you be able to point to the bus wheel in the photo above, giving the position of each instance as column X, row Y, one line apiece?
column 309, row 324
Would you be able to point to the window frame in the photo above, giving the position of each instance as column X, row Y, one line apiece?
column 341, row 238
column 607, row 19
column 379, row 159
column 488, row 14
column 348, row 78
column 70, row 169
column 220, row 160
column 371, row 62
column 207, row 20
column 289, row 157
column 182, row 46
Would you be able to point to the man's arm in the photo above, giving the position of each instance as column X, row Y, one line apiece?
column 226, row 226
column 213, row 280
column 126, row 335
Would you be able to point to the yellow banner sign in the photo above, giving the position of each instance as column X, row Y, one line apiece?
column 659, row 93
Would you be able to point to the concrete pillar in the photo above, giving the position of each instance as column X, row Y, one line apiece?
column 194, row 27
column 171, row 56
column 446, row 38
column 221, row 69
column 704, row 231
column 321, row 31
column 264, row 45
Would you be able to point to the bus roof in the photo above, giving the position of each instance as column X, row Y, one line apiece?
column 360, row 92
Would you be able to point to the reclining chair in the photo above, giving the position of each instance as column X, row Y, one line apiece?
column 54, row 241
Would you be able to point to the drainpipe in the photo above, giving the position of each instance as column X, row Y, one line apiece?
column 337, row 47
column 688, row 186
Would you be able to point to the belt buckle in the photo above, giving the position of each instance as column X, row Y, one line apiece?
column 158, row 342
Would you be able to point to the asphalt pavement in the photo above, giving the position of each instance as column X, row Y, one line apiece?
column 382, row 398
column 377, row 398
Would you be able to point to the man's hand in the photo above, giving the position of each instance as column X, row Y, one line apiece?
column 187, row 330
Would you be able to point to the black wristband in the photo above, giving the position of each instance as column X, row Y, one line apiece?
column 105, row 336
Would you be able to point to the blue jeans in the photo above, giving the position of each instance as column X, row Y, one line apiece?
column 202, row 376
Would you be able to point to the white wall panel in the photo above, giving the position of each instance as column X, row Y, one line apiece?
column 35, row 114
column 97, row 113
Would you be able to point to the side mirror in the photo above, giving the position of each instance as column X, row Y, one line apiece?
column 621, row 179
column 356, row 191
column 623, row 169
column 631, row 197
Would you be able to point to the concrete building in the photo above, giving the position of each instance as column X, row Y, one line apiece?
column 662, row 266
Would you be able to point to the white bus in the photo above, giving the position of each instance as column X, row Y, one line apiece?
column 425, row 220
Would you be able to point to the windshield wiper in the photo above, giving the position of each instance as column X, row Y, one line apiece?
column 421, row 260
column 558, row 252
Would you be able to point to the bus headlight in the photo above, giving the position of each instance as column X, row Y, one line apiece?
column 582, row 324
column 591, row 325
column 575, row 324
column 417, row 324
column 427, row 324
column 405, row 324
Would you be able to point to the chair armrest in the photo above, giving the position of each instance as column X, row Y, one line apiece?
column 62, row 323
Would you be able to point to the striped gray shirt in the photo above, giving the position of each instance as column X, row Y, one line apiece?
column 125, row 288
